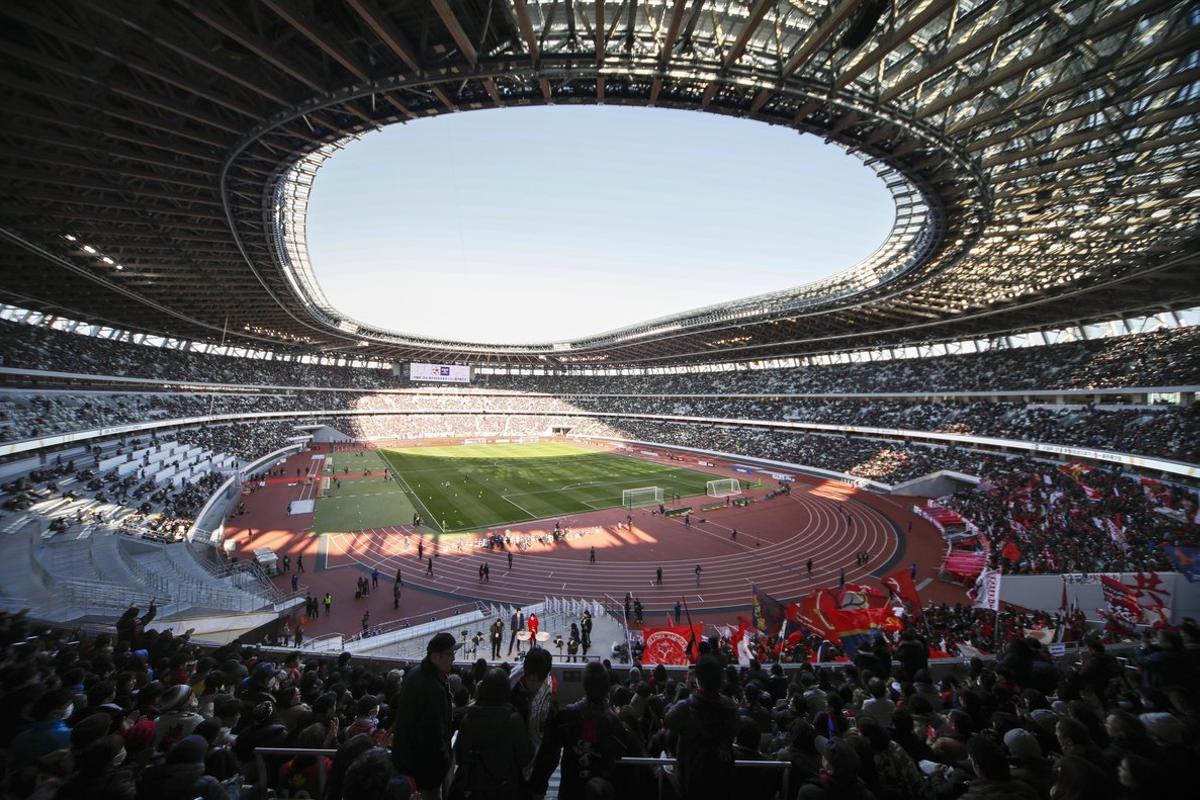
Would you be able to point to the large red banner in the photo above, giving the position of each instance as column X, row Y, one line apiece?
column 673, row 645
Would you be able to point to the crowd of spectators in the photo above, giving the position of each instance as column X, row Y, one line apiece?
column 140, row 714
column 245, row 441
column 40, row 348
column 1164, row 431
column 1162, row 358
column 1064, row 521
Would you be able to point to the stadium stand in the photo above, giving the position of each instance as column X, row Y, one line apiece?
column 125, row 714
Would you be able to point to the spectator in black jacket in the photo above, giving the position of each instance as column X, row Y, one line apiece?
column 703, row 728
column 588, row 736
column 421, row 731
column 493, row 746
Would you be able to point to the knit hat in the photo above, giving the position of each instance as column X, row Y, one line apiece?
column 1044, row 718
column 89, row 729
column 1022, row 744
column 441, row 643
column 189, row 750
column 175, row 698
column 140, row 735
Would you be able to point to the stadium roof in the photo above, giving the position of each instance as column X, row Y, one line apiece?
column 155, row 158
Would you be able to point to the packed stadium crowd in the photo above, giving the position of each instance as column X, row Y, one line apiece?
column 1164, row 431
column 1068, row 520
column 1162, row 358
column 46, row 349
column 135, row 714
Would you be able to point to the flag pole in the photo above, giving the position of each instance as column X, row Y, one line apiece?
column 691, row 628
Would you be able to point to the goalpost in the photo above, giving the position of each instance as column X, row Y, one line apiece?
column 646, row 496
column 725, row 487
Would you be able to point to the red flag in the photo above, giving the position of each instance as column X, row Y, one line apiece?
column 671, row 645
column 901, row 584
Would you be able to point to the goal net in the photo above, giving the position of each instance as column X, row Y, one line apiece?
column 646, row 496
column 323, row 487
column 724, row 487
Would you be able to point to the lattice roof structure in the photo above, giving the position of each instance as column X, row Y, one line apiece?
column 1044, row 157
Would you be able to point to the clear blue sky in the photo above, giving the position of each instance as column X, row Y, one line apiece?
column 546, row 224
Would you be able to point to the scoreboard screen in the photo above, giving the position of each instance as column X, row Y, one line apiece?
column 446, row 373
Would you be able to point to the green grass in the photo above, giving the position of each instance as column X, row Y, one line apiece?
column 477, row 486
column 360, row 503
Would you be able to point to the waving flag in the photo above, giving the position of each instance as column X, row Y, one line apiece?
column 1185, row 560
column 901, row 584
column 769, row 613
column 820, row 613
column 986, row 593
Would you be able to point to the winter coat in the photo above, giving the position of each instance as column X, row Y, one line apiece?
column 492, row 751
column 421, row 741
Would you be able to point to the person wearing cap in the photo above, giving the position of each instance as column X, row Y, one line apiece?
column 178, row 717
column 1028, row 765
column 181, row 776
column 421, row 728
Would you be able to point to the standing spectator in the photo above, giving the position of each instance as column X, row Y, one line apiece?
column 589, row 738
column 496, row 637
column 493, row 747
column 703, row 729
column 421, row 728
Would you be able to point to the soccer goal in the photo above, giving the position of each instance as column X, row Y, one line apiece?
column 724, row 487
column 646, row 496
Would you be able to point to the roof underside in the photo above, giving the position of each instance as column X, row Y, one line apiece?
column 1054, row 148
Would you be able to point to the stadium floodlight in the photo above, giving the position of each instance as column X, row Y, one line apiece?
column 724, row 487
column 645, row 496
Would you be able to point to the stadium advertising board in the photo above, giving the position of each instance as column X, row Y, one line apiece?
column 444, row 373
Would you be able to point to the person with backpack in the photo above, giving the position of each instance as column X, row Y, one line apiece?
column 492, row 749
column 589, row 738
column 702, row 729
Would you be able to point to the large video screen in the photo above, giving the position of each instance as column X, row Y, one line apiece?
column 447, row 373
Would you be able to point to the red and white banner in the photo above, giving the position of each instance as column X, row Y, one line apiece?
column 986, row 593
column 677, row 645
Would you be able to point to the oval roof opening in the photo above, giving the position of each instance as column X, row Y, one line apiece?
column 549, row 224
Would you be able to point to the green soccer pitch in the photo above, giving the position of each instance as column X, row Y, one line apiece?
column 470, row 487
